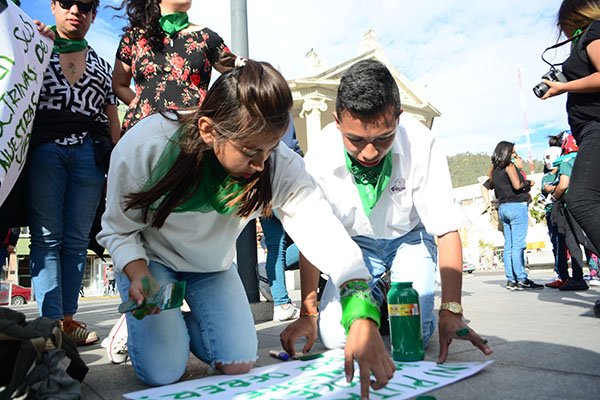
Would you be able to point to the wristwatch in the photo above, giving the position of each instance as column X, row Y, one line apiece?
column 453, row 307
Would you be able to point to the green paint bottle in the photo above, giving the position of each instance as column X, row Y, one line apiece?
column 405, row 322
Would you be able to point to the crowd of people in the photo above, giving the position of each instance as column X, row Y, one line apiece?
column 190, row 165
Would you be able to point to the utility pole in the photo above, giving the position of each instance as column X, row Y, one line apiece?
column 246, row 242
column 531, row 171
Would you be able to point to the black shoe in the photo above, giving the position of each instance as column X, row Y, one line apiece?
column 574, row 284
column 510, row 285
column 529, row 284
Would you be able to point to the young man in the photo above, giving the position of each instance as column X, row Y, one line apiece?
column 388, row 182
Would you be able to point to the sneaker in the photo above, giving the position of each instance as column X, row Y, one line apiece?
column 285, row 312
column 116, row 345
column 529, row 284
column 510, row 285
column 78, row 332
column 556, row 283
column 574, row 284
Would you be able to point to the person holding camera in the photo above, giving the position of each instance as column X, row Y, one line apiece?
column 578, row 21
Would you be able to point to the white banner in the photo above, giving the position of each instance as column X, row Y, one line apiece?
column 321, row 378
column 24, row 55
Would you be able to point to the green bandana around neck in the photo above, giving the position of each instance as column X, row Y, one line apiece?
column 215, row 189
column 370, row 181
column 173, row 23
column 62, row 45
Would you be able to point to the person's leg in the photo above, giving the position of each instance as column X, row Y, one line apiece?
column 158, row 345
column 518, row 227
column 553, row 235
column 332, row 334
column 563, row 265
column 82, row 195
column 220, row 323
column 46, row 185
column 413, row 258
column 275, row 265
column 504, row 213
column 576, row 255
column 583, row 197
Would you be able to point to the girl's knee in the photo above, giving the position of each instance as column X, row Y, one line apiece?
column 235, row 368
column 158, row 375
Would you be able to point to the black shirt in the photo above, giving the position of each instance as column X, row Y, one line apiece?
column 582, row 107
column 505, row 193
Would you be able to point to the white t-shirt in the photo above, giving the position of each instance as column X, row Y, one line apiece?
column 205, row 242
column 419, row 189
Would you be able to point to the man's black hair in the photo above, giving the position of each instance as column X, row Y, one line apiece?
column 367, row 89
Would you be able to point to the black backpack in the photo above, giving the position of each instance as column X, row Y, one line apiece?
column 40, row 344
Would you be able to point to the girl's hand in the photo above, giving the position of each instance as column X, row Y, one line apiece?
column 556, row 89
column 142, row 284
column 44, row 30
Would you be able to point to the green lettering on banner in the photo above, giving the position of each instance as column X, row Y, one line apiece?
column 27, row 33
column 3, row 69
column 210, row 389
column 41, row 49
column 400, row 366
column 421, row 382
column 181, row 395
column 306, row 394
column 235, row 383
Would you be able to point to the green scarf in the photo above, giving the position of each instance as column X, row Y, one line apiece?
column 62, row 45
column 216, row 188
column 173, row 23
column 370, row 181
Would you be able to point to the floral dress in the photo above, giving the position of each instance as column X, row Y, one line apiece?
column 175, row 77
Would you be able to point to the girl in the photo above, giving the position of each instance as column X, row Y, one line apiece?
column 511, row 191
column 181, row 188
column 578, row 19
column 169, row 59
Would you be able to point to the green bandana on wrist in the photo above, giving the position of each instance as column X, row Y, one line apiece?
column 173, row 23
column 358, row 303
column 213, row 192
column 62, row 45
column 370, row 181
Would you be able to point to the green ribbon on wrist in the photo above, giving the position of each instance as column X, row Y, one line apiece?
column 358, row 303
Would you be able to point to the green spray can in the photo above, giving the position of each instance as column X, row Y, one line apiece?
column 405, row 322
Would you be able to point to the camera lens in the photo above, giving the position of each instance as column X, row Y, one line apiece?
column 540, row 89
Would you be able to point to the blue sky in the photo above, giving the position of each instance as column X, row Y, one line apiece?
column 462, row 54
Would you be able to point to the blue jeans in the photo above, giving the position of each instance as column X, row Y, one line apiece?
column 220, row 327
column 276, row 258
column 409, row 258
column 515, row 218
column 559, row 249
column 65, row 186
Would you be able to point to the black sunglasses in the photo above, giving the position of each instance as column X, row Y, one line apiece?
column 81, row 6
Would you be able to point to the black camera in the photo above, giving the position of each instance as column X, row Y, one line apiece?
column 554, row 75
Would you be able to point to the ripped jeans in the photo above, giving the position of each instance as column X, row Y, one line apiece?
column 220, row 327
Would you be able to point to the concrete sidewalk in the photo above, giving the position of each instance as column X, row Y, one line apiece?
column 546, row 343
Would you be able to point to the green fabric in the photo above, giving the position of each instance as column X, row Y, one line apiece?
column 561, row 159
column 216, row 188
column 549, row 179
column 358, row 303
column 370, row 181
column 566, row 167
column 173, row 23
column 62, row 45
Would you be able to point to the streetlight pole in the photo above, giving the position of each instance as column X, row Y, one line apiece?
column 246, row 242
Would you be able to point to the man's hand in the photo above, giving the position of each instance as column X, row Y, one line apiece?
column 44, row 29
column 304, row 326
column 364, row 344
column 451, row 326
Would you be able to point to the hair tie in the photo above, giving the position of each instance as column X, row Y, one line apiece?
column 240, row 62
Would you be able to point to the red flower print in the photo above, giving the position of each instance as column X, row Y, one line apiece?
column 144, row 61
column 177, row 62
column 195, row 78
column 149, row 69
column 142, row 42
column 146, row 109
column 190, row 40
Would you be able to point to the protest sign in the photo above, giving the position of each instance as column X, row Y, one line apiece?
column 24, row 56
column 321, row 378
